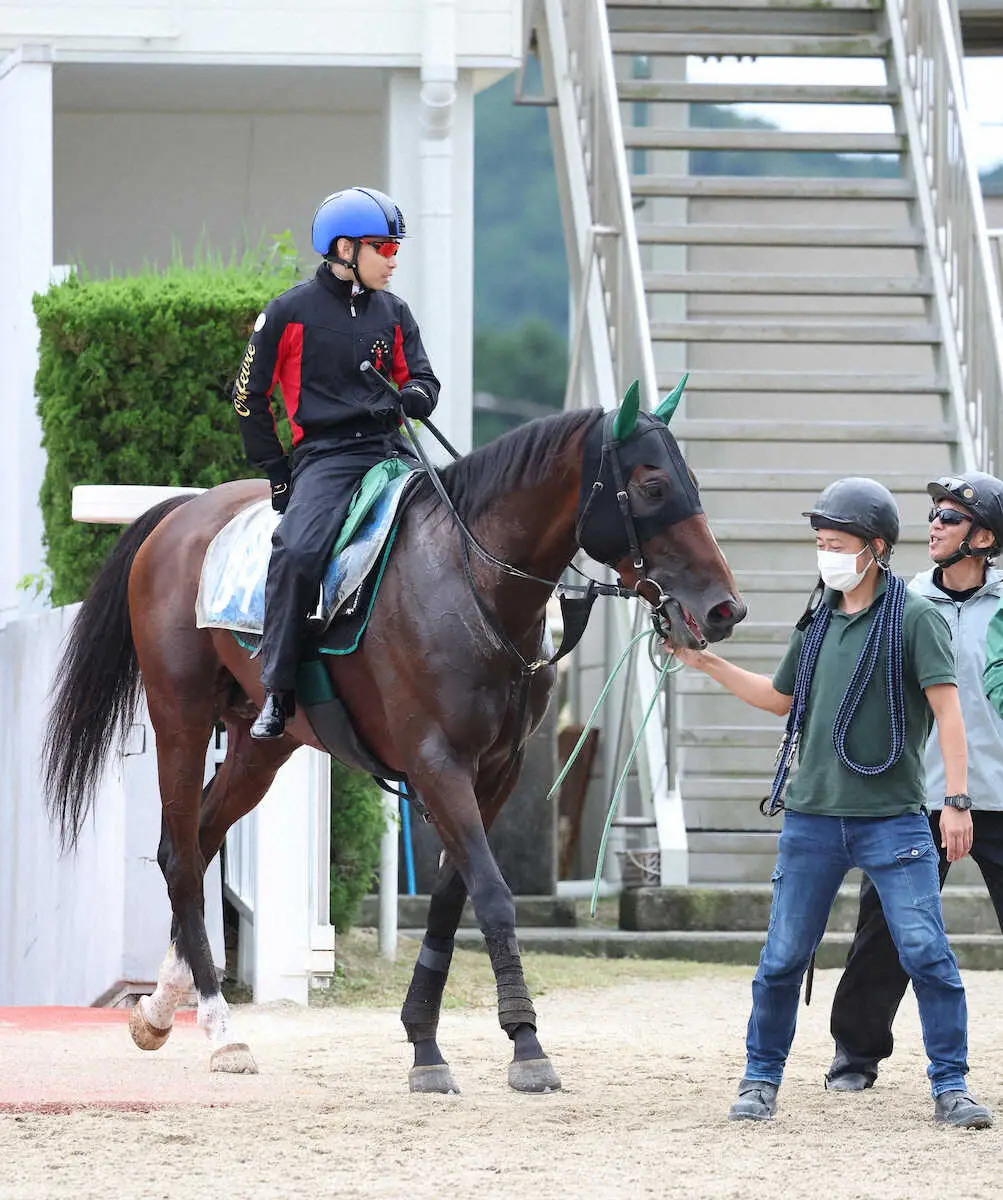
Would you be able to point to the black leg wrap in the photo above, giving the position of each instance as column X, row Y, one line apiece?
column 420, row 1013
column 514, row 1005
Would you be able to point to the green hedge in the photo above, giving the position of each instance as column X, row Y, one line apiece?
column 133, row 387
column 357, row 825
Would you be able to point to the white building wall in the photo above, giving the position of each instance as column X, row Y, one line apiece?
column 25, row 263
column 131, row 185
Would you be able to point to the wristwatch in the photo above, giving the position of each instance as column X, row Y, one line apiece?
column 961, row 800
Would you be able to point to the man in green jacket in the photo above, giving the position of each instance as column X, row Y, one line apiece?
column 859, row 731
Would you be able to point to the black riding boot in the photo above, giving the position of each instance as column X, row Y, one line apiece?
column 271, row 722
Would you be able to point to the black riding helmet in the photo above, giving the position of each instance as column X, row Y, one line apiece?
column 982, row 496
column 859, row 506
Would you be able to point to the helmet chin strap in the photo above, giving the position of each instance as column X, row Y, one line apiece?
column 352, row 263
column 965, row 550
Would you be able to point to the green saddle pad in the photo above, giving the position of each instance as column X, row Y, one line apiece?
column 375, row 481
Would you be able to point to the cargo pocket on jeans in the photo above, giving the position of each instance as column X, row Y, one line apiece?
column 918, row 866
column 776, row 879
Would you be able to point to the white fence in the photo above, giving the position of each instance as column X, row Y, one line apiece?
column 84, row 927
column 77, row 928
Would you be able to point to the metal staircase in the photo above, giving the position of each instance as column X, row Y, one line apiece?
column 836, row 319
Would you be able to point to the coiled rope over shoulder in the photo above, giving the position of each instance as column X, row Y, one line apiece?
column 886, row 630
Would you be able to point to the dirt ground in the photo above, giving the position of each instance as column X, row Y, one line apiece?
column 649, row 1070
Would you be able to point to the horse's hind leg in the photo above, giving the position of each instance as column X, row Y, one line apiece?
column 420, row 1014
column 236, row 789
column 152, row 1020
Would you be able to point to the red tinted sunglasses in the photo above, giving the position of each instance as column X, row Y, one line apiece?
column 387, row 247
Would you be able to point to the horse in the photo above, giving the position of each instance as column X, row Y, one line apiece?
column 445, row 687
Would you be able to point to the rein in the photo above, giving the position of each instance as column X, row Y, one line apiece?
column 575, row 612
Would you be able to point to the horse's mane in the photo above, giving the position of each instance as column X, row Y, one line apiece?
column 522, row 458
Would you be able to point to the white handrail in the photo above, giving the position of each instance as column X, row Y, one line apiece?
column 611, row 245
column 933, row 97
column 611, row 331
column 996, row 245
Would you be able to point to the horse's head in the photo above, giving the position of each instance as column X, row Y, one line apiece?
column 639, row 512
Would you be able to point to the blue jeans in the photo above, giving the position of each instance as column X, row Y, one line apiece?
column 898, row 855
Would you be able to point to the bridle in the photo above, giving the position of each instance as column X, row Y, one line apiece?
column 575, row 611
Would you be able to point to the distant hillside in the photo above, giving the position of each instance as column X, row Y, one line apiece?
column 520, row 268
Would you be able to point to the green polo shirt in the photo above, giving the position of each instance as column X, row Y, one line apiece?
column 822, row 785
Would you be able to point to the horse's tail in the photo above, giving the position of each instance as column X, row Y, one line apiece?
column 97, row 683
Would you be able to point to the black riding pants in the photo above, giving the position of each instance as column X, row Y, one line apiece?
column 873, row 982
column 325, row 478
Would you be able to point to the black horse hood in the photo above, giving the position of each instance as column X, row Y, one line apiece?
column 602, row 529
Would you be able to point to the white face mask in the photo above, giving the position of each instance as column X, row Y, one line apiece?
column 839, row 571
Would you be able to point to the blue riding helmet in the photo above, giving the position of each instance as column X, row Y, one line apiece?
column 355, row 213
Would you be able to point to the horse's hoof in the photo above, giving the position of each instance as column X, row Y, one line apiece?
column 145, row 1035
column 533, row 1075
column 234, row 1059
column 433, row 1079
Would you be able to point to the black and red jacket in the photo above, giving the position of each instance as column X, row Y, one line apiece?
column 313, row 340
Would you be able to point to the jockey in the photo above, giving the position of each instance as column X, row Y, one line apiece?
column 313, row 340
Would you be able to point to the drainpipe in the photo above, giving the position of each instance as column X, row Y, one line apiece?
column 438, row 100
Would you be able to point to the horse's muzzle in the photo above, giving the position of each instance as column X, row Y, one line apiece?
column 684, row 631
column 722, row 619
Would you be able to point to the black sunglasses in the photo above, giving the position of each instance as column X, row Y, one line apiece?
column 949, row 516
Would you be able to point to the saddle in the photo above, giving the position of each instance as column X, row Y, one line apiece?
column 231, row 596
column 231, row 591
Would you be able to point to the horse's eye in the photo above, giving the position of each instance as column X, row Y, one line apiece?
column 653, row 490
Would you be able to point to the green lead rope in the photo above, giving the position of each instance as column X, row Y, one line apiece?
column 670, row 668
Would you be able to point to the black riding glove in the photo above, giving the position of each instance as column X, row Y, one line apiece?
column 281, row 481
column 415, row 401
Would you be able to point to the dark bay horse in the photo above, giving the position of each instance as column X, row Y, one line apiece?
column 445, row 685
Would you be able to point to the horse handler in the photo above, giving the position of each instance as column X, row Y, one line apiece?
column 865, row 668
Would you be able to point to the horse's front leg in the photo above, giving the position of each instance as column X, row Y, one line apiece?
column 462, row 830
column 420, row 1014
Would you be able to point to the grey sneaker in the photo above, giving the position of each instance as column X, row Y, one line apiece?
column 757, row 1101
column 961, row 1109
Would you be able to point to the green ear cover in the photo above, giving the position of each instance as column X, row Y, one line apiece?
column 671, row 402
column 626, row 417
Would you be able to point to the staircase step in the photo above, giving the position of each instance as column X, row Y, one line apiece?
column 721, row 283
column 755, row 5
column 725, row 787
column 673, row 92
column 714, row 45
column 867, row 237
column 790, row 531
column 967, row 910
column 821, row 20
column 798, row 141
column 754, row 187
column 812, row 482
column 808, row 431
column 791, row 582
column 915, row 333
column 973, row 951
column 857, row 382
column 725, row 736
